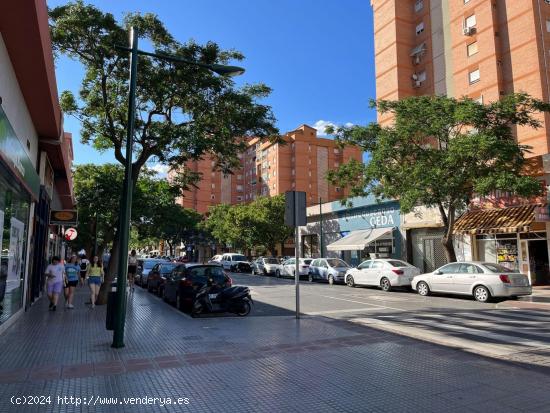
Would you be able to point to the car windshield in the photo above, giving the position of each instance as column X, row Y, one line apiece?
column 149, row 264
column 307, row 262
column 335, row 262
column 238, row 258
column 271, row 261
column 496, row 267
column 166, row 268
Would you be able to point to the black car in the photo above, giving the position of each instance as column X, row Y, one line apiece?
column 185, row 280
column 158, row 274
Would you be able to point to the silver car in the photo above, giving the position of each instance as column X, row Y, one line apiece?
column 267, row 266
column 483, row 280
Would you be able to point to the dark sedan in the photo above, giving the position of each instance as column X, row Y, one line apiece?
column 185, row 280
column 158, row 274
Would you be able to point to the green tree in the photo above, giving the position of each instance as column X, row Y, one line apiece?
column 440, row 152
column 269, row 222
column 182, row 111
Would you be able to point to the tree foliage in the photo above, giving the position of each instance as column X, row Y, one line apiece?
column 440, row 152
column 259, row 223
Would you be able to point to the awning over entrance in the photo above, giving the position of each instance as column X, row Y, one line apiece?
column 486, row 221
column 358, row 240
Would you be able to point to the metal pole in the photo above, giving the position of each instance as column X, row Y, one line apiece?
column 297, row 255
column 95, row 238
column 321, row 246
column 126, row 201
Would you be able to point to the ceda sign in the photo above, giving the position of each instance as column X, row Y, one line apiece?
column 371, row 216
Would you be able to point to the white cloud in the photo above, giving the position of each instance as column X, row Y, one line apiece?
column 160, row 169
column 321, row 125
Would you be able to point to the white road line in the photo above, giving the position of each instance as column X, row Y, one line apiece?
column 361, row 302
column 353, row 310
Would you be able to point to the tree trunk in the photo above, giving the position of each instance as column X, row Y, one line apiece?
column 447, row 241
column 111, row 272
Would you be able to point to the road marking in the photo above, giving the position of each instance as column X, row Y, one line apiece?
column 360, row 302
column 353, row 310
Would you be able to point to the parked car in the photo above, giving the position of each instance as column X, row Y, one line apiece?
column 267, row 266
column 215, row 258
column 289, row 266
column 143, row 269
column 154, row 279
column 385, row 273
column 482, row 280
column 332, row 270
column 186, row 280
column 235, row 263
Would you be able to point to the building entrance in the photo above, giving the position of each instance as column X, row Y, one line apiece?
column 538, row 262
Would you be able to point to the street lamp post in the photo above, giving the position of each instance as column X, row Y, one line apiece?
column 126, row 196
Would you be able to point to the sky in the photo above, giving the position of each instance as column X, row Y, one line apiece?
column 316, row 55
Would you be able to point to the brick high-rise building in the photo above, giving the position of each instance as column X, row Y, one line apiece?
column 478, row 48
column 270, row 169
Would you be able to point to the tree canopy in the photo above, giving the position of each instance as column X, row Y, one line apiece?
column 440, row 152
column 259, row 223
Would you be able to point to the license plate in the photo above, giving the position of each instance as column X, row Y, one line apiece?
column 211, row 296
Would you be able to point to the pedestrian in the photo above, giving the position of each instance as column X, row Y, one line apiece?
column 95, row 279
column 72, row 270
column 84, row 267
column 132, row 269
column 106, row 259
column 55, row 273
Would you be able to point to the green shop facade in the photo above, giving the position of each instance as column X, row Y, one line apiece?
column 19, row 190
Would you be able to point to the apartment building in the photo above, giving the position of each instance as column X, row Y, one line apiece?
column 270, row 168
column 482, row 49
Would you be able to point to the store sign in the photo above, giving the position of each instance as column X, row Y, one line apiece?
column 64, row 217
column 375, row 216
column 14, row 155
column 71, row 234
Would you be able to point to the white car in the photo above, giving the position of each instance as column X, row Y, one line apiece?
column 235, row 263
column 385, row 273
column 289, row 266
column 216, row 259
column 483, row 280
column 268, row 266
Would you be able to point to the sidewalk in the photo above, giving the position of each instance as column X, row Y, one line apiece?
column 253, row 364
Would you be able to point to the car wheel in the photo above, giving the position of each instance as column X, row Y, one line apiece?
column 310, row 277
column 265, row 272
column 350, row 281
column 422, row 288
column 245, row 309
column 331, row 279
column 160, row 291
column 385, row 284
column 277, row 273
column 179, row 303
column 164, row 297
column 149, row 288
column 482, row 294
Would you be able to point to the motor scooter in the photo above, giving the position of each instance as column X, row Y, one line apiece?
column 214, row 299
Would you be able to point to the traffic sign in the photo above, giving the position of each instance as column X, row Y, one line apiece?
column 70, row 234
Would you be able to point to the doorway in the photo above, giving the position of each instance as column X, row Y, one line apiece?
column 538, row 262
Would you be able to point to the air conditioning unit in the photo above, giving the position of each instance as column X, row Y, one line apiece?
column 417, row 83
column 468, row 31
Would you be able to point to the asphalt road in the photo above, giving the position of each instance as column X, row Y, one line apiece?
column 492, row 329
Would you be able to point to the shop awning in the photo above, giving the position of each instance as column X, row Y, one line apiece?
column 358, row 240
column 490, row 221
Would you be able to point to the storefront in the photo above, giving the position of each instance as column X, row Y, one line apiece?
column 515, row 237
column 363, row 230
column 19, row 187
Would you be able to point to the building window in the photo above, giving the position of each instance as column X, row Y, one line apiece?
column 239, row 177
column 293, row 184
column 212, row 197
column 421, row 76
column 336, row 164
column 466, row 1
column 472, row 49
column 548, row 25
column 480, row 99
column 337, row 189
column 213, row 186
column 273, row 187
column 293, row 172
column 274, row 173
column 239, row 198
column 309, row 173
column 418, row 5
column 336, row 150
column 473, row 76
column 239, row 188
column 419, row 28
column 470, row 21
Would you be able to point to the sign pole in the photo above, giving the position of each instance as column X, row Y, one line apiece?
column 297, row 255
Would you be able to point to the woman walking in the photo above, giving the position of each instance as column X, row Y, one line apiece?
column 132, row 269
column 55, row 273
column 72, row 270
column 95, row 279
column 84, row 266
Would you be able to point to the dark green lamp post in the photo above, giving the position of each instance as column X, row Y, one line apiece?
column 126, row 197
